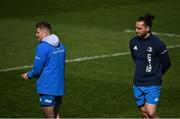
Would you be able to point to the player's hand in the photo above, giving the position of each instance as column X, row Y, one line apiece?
column 24, row 76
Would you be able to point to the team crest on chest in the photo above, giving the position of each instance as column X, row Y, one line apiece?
column 149, row 49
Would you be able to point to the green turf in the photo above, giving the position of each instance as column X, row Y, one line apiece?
column 96, row 88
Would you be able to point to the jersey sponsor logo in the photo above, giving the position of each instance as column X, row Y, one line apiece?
column 149, row 66
column 135, row 47
column 149, row 49
column 58, row 51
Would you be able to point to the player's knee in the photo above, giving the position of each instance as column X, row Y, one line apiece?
column 144, row 113
column 151, row 113
column 143, row 109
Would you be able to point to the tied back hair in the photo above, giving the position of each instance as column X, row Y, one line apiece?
column 147, row 19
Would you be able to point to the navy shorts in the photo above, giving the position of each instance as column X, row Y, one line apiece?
column 49, row 100
column 149, row 94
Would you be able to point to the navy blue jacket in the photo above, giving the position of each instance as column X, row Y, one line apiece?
column 151, row 60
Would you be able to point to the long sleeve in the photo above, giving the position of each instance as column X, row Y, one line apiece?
column 165, row 62
column 39, row 62
column 131, row 51
column 164, row 57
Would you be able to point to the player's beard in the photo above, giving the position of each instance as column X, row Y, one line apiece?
column 143, row 36
column 140, row 35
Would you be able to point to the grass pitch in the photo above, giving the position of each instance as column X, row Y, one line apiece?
column 99, row 88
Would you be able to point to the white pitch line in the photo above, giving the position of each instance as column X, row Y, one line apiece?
column 97, row 57
column 70, row 61
column 16, row 68
column 84, row 59
column 155, row 33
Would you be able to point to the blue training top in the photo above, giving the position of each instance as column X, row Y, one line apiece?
column 49, row 65
column 151, row 60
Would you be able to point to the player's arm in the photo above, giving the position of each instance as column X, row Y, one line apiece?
column 39, row 62
column 131, row 50
column 164, row 58
column 165, row 61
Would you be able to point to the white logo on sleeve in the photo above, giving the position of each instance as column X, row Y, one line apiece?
column 135, row 47
column 164, row 52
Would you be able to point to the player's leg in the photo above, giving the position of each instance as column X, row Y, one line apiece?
column 51, row 112
column 50, row 105
column 151, row 110
column 140, row 100
column 56, row 112
column 48, row 112
column 144, row 112
column 152, row 100
column 58, row 100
